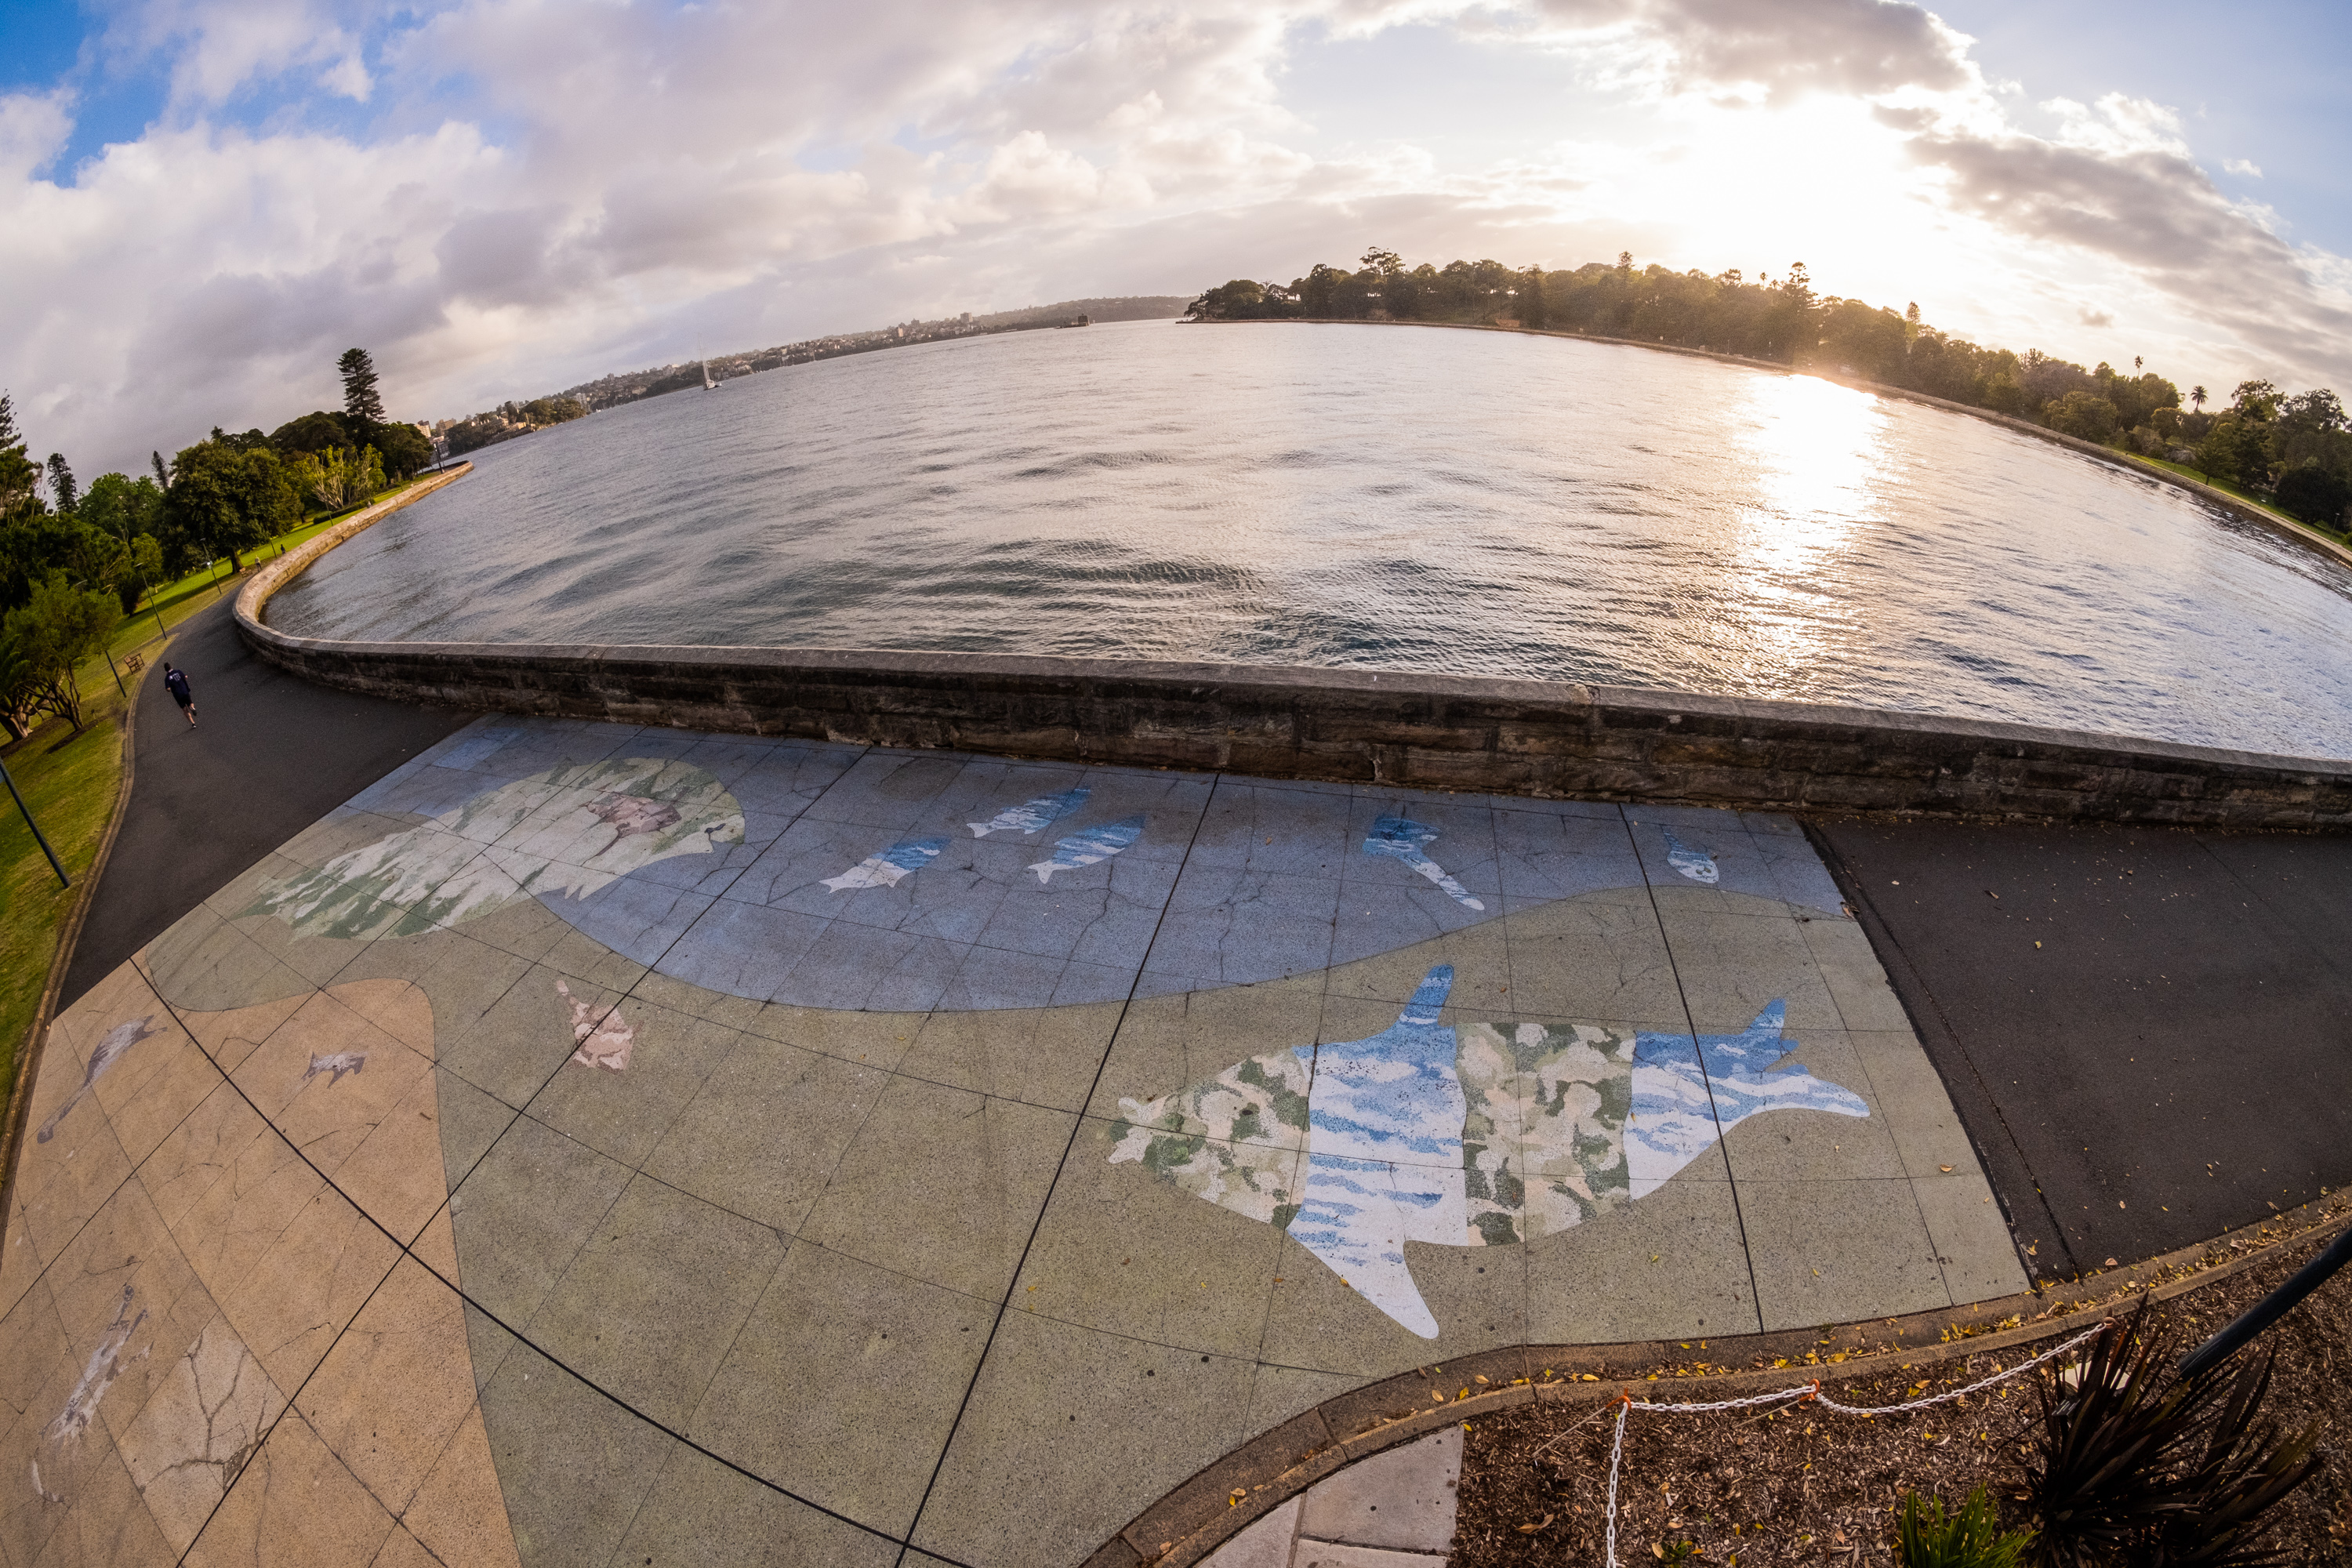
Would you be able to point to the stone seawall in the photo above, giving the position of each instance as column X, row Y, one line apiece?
column 1458, row 733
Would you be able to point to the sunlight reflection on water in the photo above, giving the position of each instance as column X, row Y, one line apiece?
column 1367, row 496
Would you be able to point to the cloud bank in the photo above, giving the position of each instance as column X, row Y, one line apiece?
column 501, row 196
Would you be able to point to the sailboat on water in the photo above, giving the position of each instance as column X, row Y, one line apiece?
column 708, row 385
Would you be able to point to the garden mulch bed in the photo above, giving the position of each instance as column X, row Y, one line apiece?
column 1801, row 1484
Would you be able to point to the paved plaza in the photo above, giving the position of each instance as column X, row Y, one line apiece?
column 592, row 1144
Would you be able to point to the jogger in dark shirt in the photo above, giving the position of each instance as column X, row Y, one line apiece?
column 175, row 681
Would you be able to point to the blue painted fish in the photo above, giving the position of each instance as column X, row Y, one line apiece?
column 1697, row 864
column 889, row 867
column 1092, row 844
column 1031, row 815
column 1402, row 838
column 1478, row 1135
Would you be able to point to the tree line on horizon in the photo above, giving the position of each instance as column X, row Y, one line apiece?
column 75, row 561
column 2294, row 450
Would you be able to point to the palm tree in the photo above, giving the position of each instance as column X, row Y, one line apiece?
column 2196, row 400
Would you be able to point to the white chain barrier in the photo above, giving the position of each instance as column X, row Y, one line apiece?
column 1627, row 1405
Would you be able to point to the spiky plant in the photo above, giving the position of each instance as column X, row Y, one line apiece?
column 2138, row 1466
column 1969, row 1537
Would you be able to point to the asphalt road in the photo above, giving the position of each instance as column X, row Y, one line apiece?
column 2147, row 1031
column 269, row 755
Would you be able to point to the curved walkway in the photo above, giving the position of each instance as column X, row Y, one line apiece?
column 595, row 1144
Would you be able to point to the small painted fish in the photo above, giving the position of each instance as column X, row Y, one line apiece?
column 1087, row 847
column 890, row 866
column 111, row 1050
column 1031, row 815
column 104, row 1367
column 1697, row 864
column 606, row 1040
column 339, row 1064
column 1402, row 838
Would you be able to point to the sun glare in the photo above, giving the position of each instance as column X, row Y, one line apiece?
column 1821, row 476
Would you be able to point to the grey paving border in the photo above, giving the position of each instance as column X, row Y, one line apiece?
column 1398, row 729
column 1195, row 1519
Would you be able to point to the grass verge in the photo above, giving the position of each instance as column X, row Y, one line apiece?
column 70, row 782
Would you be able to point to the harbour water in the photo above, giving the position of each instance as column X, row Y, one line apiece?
column 1468, row 502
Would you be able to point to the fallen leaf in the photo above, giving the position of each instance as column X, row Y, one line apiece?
column 1943, row 1167
column 1532, row 1529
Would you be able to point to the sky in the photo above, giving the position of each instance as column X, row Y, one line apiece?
column 204, row 202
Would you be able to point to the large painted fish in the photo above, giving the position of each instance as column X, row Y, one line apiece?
column 571, row 831
column 1486, row 1134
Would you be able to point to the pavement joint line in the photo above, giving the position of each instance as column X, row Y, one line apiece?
column 1078, row 1125
column 1882, row 939
column 1738, row 1213
column 516, row 1334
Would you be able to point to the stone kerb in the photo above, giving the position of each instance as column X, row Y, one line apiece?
column 1404, row 729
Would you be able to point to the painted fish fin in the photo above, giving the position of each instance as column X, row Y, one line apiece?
column 1381, row 1279
column 1428, row 997
column 1772, row 1020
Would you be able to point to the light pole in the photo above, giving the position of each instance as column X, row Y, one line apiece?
column 63, row 880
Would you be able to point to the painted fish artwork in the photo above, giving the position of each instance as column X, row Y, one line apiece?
column 1090, row 846
column 98, row 1375
column 568, row 832
column 335, row 1066
column 1697, row 864
column 1402, row 838
column 1480, row 1134
column 1029, row 817
column 108, row 1051
column 888, row 868
column 604, row 1040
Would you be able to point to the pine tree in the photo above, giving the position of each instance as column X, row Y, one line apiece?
column 64, row 494
column 361, row 401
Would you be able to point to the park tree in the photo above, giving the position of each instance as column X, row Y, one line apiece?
column 43, row 642
column 1532, row 310
column 2315, row 495
column 18, row 473
column 361, row 401
column 229, row 501
column 64, row 494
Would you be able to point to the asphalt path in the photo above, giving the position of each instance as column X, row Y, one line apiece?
column 2147, row 1032
column 269, row 755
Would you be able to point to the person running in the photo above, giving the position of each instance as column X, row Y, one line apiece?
column 175, row 681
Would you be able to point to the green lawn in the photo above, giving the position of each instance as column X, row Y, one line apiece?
column 70, row 782
column 2226, row 488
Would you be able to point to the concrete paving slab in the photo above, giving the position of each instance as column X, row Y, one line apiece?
column 844, row 1383
column 898, row 1196
column 1402, row 1500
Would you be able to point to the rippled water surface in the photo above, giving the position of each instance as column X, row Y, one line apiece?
column 1458, row 502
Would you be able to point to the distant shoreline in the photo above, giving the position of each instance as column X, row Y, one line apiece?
column 2237, row 506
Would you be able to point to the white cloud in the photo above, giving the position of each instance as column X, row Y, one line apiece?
column 2242, row 168
column 546, row 190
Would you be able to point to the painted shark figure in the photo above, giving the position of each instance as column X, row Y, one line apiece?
column 1481, row 1134
column 570, row 831
column 108, row 1051
column 1032, row 816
